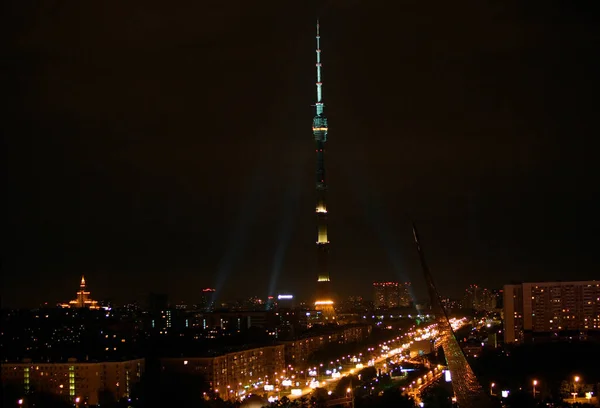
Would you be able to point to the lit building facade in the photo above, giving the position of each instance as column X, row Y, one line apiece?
column 298, row 350
column 83, row 299
column 162, row 322
column 488, row 300
column 234, row 374
column 76, row 382
column 478, row 298
column 471, row 298
column 324, row 299
column 450, row 304
column 551, row 310
column 405, row 298
column 207, row 300
column 387, row 295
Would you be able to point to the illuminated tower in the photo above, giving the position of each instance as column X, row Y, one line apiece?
column 83, row 299
column 324, row 301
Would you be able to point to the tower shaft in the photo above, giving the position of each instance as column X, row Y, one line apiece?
column 324, row 301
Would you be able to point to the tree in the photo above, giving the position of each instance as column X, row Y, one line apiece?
column 394, row 397
column 437, row 396
column 303, row 402
column 319, row 398
column 390, row 398
column 344, row 383
column 160, row 389
column 520, row 399
column 285, row 403
column 11, row 394
column 368, row 373
column 47, row 400
column 106, row 399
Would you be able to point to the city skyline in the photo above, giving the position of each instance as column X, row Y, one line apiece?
column 171, row 156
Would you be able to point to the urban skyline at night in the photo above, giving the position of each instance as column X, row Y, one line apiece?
column 194, row 169
column 186, row 229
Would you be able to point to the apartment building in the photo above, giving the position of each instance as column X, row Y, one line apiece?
column 233, row 374
column 77, row 382
column 551, row 310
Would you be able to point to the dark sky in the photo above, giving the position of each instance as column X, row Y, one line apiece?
column 161, row 148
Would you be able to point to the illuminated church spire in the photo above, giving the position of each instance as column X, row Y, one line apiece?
column 323, row 302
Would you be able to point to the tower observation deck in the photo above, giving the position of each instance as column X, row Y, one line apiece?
column 324, row 300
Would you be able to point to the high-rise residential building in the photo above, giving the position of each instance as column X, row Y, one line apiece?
column 498, row 295
column 472, row 297
column 478, row 298
column 207, row 300
column 405, row 299
column 551, row 310
column 386, row 294
column 356, row 304
column 487, row 301
column 324, row 299
column 83, row 299
column 450, row 304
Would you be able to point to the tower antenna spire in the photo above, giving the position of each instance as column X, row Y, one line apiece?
column 319, row 104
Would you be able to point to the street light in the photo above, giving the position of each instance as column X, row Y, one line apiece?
column 576, row 378
column 492, row 385
column 534, row 384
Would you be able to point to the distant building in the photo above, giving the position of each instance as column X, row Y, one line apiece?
column 386, row 294
column 207, row 300
column 449, row 304
column 285, row 301
column 479, row 299
column 405, row 299
column 356, row 304
column 271, row 303
column 235, row 321
column 551, row 310
column 488, row 301
column 83, row 299
column 253, row 303
column 77, row 382
column 498, row 295
column 472, row 297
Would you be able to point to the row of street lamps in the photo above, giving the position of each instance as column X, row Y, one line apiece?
column 535, row 383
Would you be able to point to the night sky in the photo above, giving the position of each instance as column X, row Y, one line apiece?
column 155, row 147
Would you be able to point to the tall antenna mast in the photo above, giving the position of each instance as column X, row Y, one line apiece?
column 319, row 104
column 324, row 301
